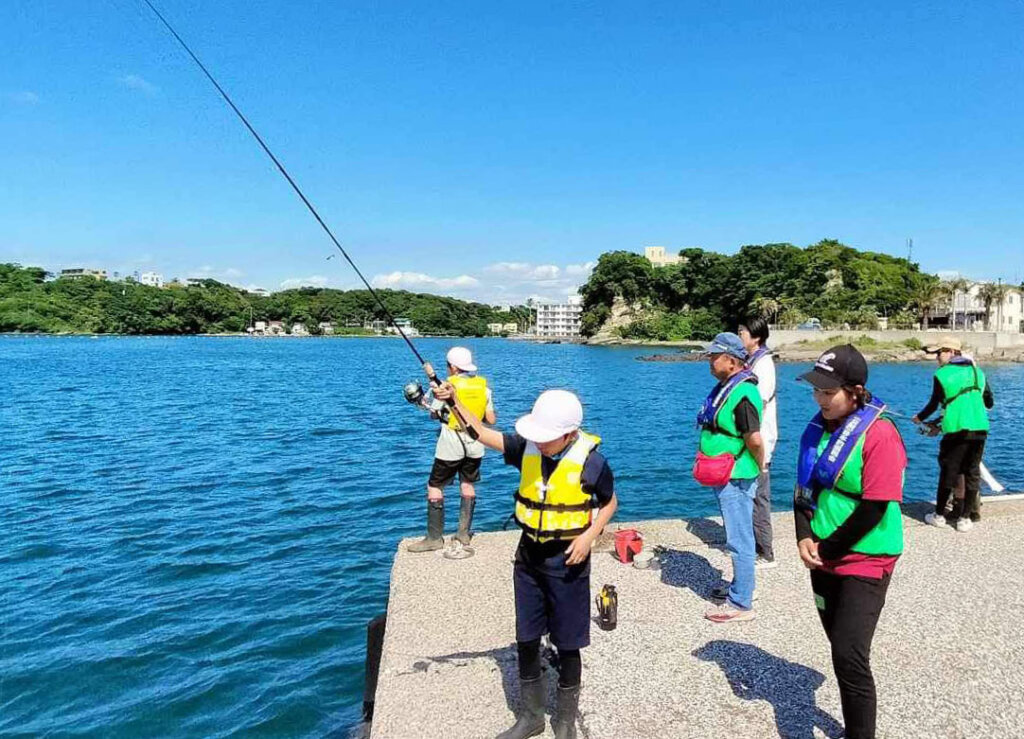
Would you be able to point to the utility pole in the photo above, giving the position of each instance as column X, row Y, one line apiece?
column 1002, row 298
column 910, row 250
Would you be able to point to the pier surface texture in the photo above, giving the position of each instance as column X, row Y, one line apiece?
column 948, row 656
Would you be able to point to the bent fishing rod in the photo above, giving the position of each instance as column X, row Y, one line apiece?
column 426, row 366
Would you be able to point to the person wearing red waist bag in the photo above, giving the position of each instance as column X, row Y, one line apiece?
column 848, row 523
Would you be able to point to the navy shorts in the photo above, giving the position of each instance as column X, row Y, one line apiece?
column 552, row 599
column 443, row 471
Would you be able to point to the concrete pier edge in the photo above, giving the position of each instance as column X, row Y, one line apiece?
column 946, row 654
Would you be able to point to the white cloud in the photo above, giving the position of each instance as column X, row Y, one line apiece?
column 501, row 282
column 135, row 82
column 233, row 273
column 312, row 281
column 511, row 267
column 580, row 270
column 524, row 270
column 24, row 97
column 420, row 280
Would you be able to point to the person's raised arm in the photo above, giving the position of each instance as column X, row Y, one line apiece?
column 933, row 402
column 487, row 436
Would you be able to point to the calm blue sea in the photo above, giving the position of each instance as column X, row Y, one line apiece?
column 196, row 530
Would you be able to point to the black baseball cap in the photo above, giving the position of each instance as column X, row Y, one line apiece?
column 837, row 367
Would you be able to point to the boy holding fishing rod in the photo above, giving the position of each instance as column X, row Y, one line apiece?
column 563, row 479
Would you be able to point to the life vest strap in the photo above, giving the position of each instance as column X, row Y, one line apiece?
column 846, row 494
column 538, row 534
column 975, row 388
column 555, row 507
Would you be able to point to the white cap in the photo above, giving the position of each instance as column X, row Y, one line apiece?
column 555, row 413
column 461, row 358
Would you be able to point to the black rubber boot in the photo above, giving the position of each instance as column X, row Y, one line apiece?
column 530, row 721
column 565, row 713
column 434, row 539
column 466, row 506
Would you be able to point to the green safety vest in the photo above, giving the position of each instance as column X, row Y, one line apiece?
column 725, row 437
column 835, row 506
column 962, row 386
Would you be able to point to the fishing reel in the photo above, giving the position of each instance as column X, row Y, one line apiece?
column 417, row 396
column 930, row 428
column 413, row 392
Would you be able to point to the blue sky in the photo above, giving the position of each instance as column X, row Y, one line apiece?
column 495, row 150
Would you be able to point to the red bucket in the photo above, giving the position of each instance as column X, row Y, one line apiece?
column 628, row 543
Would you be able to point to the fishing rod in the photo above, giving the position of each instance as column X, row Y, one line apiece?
column 424, row 364
column 932, row 429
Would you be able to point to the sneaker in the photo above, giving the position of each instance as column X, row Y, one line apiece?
column 763, row 563
column 963, row 525
column 721, row 592
column 727, row 612
column 934, row 519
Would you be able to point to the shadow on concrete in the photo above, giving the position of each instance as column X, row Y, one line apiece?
column 916, row 509
column 708, row 531
column 507, row 661
column 505, row 658
column 686, row 569
column 756, row 675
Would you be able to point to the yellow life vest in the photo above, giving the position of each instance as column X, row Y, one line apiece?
column 558, row 509
column 472, row 392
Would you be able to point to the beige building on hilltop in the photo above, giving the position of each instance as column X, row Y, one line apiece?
column 657, row 256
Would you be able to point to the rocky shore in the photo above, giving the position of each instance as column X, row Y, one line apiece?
column 808, row 354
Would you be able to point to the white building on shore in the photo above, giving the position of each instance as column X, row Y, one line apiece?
column 406, row 325
column 153, row 279
column 969, row 312
column 559, row 319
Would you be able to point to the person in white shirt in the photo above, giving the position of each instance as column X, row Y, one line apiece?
column 457, row 453
column 754, row 333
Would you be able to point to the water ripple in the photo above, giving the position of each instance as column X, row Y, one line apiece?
column 197, row 531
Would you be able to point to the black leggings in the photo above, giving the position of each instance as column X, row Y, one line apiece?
column 960, row 454
column 849, row 607
column 570, row 665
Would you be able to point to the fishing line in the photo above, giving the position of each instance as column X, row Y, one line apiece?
column 284, row 172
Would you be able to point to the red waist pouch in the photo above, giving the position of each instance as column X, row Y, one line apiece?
column 713, row 471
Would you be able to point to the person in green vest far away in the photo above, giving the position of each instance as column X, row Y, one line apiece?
column 848, row 525
column 754, row 334
column 962, row 391
column 563, row 480
column 730, row 458
column 456, row 452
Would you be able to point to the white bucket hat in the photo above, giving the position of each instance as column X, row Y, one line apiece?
column 461, row 358
column 556, row 412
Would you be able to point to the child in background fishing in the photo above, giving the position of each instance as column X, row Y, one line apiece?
column 457, row 452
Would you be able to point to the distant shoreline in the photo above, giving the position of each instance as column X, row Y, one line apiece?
column 892, row 353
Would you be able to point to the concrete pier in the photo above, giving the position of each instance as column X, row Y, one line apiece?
column 947, row 656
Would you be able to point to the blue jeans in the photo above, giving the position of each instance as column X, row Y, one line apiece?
column 736, row 502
